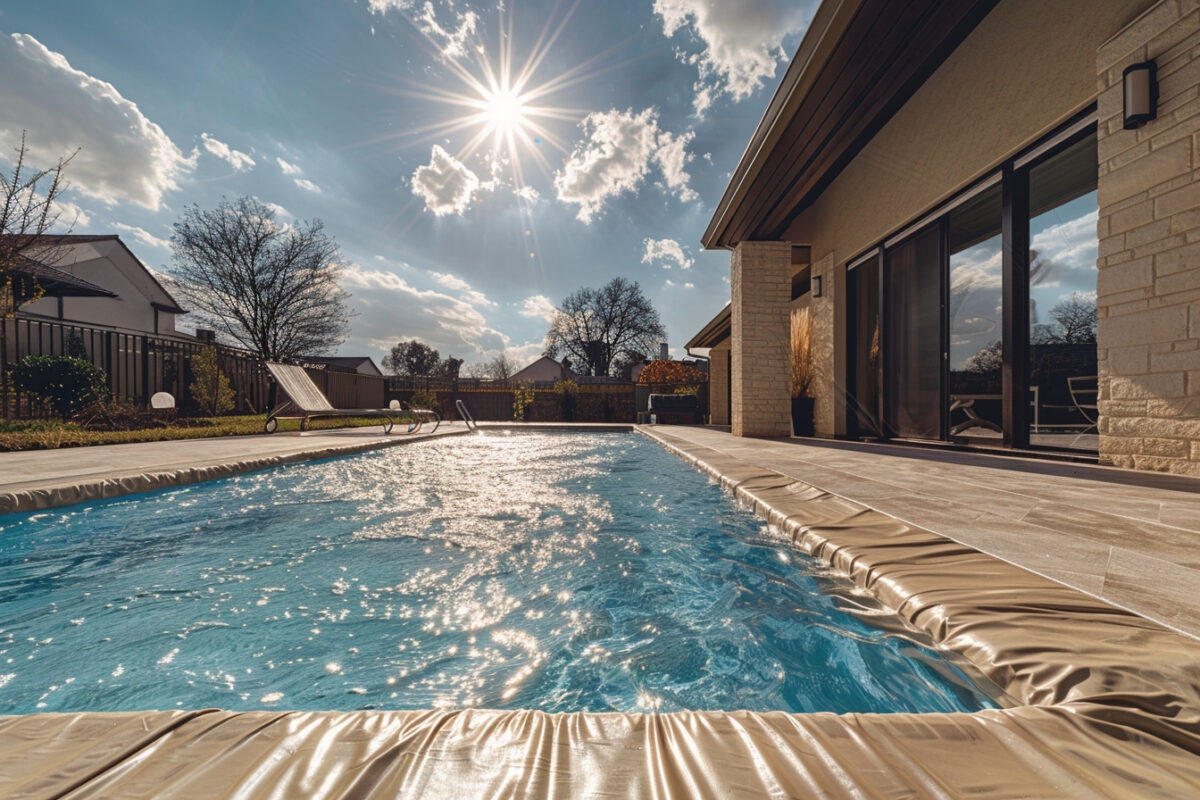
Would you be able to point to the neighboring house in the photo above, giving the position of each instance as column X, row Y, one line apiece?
column 713, row 343
column 363, row 365
column 544, row 370
column 140, row 304
column 998, row 255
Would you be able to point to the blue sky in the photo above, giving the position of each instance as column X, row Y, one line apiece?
column 464, row 212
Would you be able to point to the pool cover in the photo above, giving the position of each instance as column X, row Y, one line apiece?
column 1108, row 706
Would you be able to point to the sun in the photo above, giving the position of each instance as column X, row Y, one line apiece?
column 504, row 111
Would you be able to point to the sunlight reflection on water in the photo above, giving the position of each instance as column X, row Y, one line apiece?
column 554, row 571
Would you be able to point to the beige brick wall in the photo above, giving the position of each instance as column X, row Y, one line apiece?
column 762, row 291
column 1149, row 227
column 824, row 347
column 718, row 384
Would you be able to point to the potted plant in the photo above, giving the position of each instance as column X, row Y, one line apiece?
column 803, row 373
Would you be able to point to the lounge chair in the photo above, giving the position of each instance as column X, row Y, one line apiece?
column 305, row 401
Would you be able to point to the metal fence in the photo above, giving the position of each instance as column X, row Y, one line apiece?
column 139, row 365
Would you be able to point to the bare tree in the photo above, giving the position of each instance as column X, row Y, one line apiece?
column 273, row 288
column 500, row 368
column 28, row 212
column 603, row 329
column 1075, row 319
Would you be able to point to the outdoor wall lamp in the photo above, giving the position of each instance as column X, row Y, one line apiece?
column 1141, row 94
column 816, row 285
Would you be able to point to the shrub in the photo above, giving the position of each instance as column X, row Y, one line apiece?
column 210, row 388
column 567, row 391
column 423, row 398
column 804, row 366
column 664, row 371
column 523, row 397
column 65, row 384
column 688, row 390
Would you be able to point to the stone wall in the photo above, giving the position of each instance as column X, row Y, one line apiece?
column 1149, row 228
column 762, row 291
column 823, row 310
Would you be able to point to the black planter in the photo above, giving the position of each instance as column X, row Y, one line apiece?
column 802, row 416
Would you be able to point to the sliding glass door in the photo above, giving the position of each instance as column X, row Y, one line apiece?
column 912, row 359
column 980, row 328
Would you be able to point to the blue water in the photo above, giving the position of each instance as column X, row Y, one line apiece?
column 565, row 572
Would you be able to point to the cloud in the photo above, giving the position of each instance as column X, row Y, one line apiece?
column 307, row 185
column 123, row 157
column 235, row 158
column 528, row 194
column 615, row 155
column 287, row 167
column 538, row 307
column 144, row 236
column 741, row 41
column 457, row 284
column 446, row 184
column 279, row 210
column 664, row 251
column 452, row 44
column 390, row 308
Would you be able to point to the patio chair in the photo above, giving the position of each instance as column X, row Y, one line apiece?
column 305, row 401
column 1085, row 394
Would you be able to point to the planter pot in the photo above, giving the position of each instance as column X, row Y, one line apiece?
column 802, row 416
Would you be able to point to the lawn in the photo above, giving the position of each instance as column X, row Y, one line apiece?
column 50, row 434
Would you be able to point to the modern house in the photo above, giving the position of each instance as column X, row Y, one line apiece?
column 995, row 207
column 140, row 303
column 544, row 370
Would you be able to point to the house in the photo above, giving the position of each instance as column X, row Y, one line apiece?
column 140, row 303
column 713, row 342
column 363, row 365
column 993, row 210
column 544, row 370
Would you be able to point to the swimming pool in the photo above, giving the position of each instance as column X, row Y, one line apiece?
column 563, row 572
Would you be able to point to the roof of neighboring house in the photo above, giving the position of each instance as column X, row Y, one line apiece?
column 529, row 368
column 161, row 299
column 56, row 283
column 858, row 63
column 356, row 363
column 715, row 331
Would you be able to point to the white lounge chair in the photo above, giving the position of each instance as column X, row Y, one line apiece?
column 305, row 401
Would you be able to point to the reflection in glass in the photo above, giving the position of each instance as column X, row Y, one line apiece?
column 976, row 321
column 863, row 412
column 912, row 357
column 1062, row 299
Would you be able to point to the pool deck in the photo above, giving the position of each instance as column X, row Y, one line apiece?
column 1129, row 538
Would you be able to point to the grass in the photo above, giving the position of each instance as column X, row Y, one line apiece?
column 38, row 434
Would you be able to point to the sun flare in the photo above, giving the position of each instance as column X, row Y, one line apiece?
column 504, row 111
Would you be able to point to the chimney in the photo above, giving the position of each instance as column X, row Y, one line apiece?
column 664, row 352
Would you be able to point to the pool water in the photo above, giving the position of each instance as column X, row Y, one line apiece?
column 563, row 572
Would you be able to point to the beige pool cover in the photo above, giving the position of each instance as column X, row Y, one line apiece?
column 1109, row 707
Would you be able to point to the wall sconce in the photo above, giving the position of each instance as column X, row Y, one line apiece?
column 816, row 285
column 1141, row 93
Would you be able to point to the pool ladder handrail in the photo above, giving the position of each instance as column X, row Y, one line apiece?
column 472, row 425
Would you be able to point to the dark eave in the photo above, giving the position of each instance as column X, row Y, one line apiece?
column 715, row 332
column 860, row 61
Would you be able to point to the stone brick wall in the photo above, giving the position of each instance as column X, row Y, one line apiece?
column 718, row 384
column 762, row 291
column 825, row 347
column 1149, row 258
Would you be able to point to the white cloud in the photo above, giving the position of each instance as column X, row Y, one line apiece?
column 123, row 156
column 287, row 167
column 70, row 216
column 741, row 41
column 538, row 307
column 235, row 158
column 144, row 236
column 457, row 284
column 307, row 185
column 390, row 308
column 616, row 154
column 279, row 210
column 670, row 282
column 689, row 286
column 452, row 44
column 664, row 251
column 528, row 194
column 446, row 184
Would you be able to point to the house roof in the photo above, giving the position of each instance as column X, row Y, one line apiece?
column 535, row 363
column 348, row 362
column 715, row 331
column 162, row 299
column 859, row 62
column 56, row 283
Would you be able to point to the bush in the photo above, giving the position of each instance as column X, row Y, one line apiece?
column 210, row 388
column 422, row 398
column 664, row 371
column 523, row 397
column 65, row 384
